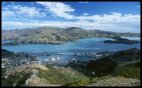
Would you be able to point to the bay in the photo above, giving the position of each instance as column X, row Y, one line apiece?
column 66, row 51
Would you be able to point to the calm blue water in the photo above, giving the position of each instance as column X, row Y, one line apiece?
column 67, row 50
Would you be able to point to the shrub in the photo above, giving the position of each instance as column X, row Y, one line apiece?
column 82, row 82
column 129, row 71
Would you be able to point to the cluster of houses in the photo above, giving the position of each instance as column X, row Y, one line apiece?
column 18, row 60
column 21, row 59
column 95, row 55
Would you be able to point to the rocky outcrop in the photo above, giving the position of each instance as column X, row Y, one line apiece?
column 34, row 80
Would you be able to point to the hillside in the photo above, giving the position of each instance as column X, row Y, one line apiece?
column 120, row 69
column 16, row 71
column 114, row 81
column 55, row 35
column 124, row 63
column 39, row 75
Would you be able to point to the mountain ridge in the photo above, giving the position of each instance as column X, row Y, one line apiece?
column 55, row 35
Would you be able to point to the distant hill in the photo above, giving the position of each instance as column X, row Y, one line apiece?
column 118, row 39
column 56, row 35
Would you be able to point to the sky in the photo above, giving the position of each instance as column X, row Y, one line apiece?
column 107, row 16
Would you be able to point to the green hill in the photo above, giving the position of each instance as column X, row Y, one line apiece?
column 55, row 35
column 124, row 63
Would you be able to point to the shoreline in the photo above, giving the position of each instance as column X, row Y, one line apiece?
column 60, row 42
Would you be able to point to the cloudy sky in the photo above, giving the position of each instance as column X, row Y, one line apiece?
column 108, row 16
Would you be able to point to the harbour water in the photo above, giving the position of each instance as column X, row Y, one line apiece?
column 67, row 51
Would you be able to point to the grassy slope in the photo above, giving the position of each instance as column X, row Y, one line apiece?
column 55, row 76
column 114, row 81
column 124, row 63
column 60, row 75
column 17, row 79
column 130, row 70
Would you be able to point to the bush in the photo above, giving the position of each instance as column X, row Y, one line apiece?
column 102, row 67
column 129, row 71
column 82, row 82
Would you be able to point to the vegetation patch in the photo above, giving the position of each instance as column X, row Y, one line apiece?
column 56, row 76
column 16, row 79
column 131, row 70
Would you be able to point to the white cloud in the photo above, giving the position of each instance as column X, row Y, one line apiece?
column 31, row 12
column 113, row 18
column 21, row 11
column 7, row 13
column 109, row 22
column 58, row 9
